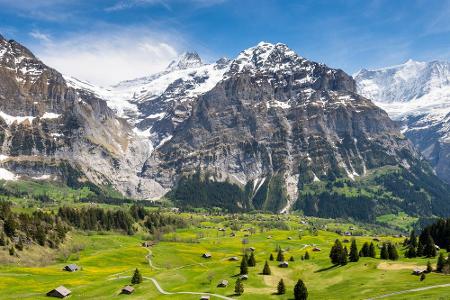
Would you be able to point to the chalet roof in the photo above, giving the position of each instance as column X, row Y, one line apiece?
column 283, row 264
column 72, row 267
column 128, row 289
column 206, row 255
column 204, row 297
column 223, row 282
column 60, row 290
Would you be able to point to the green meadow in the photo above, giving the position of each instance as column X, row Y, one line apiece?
column 109, row 259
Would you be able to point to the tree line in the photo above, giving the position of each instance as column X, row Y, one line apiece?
column 49, row 228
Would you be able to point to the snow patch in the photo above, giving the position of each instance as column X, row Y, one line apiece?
column 7, row 175
column 12, row 119
column 50, row 115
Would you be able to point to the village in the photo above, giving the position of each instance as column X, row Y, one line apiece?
column 226, row 258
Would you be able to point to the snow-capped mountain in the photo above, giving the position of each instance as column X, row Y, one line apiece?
column 257, row 128
column 275, row 123
column 418, row 95
column 155, row 105
column 50, row 131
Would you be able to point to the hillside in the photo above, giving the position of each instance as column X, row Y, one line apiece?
column 50, row 131
column 268, row 130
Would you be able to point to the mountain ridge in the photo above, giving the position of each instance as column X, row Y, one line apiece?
column 420, row 101
column 270, row 129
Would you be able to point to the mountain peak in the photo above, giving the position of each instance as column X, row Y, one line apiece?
column 267, row 56
column 185, row 61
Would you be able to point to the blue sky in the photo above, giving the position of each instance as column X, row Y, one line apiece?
column 92, row 39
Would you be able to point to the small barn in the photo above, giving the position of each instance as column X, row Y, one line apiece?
column 206, row 255
column 204, row 297
column 283, row 264
column 252, row 249
column 223, row 283
column 71, row 268
column 59, row 292
column 316, row 249
column 127, row 290
column 243, row 277
column 233, row 258
column 418, row 271
column 148, row 244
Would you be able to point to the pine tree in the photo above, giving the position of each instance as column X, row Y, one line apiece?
column 429, row 249
column 353, row 257
column 266, row 269
column 281, row 288
column 422, row 277
column 251, row 260
column 411, row 252
column 419, row 252
column 280, row 255
column 365, row 249
column 300, row 291
column 392, row 252
column 291, row 258
column 306, row 255
column 271, row 257
column 244, row 265
column 239, row 287
column 384, row 254
column 429, row 267
column 344, row 257
column 137, row 277
column 336, row 252
column 372, row 251
column 440, row 263
column 412, row 239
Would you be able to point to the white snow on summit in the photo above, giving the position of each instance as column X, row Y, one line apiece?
column 412, row 88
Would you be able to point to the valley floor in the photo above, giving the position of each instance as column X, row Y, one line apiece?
column 174, row 268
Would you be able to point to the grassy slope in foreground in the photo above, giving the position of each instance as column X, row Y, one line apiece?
column 106, row 258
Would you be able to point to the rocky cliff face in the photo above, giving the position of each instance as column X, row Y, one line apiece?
column 276, row 114
column 417, row 94
column 268, row 130
column 49, row 130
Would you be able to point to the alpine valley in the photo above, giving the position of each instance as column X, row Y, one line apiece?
column 268, row 130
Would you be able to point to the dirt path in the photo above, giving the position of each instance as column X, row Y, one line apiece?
column 411, row 291
column 162, row 291
column 149, row 258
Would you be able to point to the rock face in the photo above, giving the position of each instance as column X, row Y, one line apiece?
column 278, row 115
column 49, row 130
column 417, row 94
column 268, row 130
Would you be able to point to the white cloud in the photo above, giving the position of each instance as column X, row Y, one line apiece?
column 126, row 4
column 108, row 56
column 40, row 36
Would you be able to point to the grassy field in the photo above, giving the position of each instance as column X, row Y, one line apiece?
column 108, row 261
